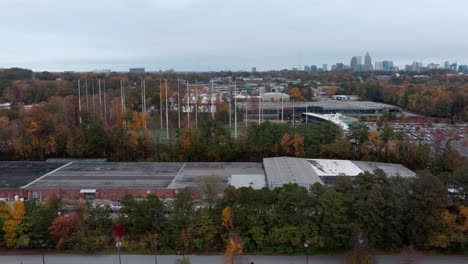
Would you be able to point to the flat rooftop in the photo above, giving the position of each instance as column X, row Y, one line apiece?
column 192, row 172
column 14, row 174
column 284, row 170
column 110, row 175
column 326, row 104
column 328, row 167
column 256, row 181
column 306, row 172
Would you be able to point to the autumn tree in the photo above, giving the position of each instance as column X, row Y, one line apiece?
column 5, row 214
column 63, row 229
column 10, row 226
column 233, row 251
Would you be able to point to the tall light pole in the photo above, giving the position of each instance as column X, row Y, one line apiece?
column 105, row 104
column 178, row 102
column 235, row 109
column 188, row 105
column 167, row 115
column 160, row 103
column 230, row 111
column 211, row 100
column 259, row 109
column 282, row 109
column 246, row 108
column 79, row 99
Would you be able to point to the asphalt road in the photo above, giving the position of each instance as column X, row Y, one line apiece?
column 170, row 259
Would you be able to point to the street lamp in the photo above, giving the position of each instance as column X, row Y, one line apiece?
column 42, row 251
column 306, row 245
column 155, row 251
column 118, row 244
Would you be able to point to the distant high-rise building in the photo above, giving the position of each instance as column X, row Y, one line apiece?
column 387, row 65
column 307, row 68
column 137, row 70
column 432, row 66
column 415, row 67
column 354, row 63
column 338, row 67
column 378, row 66
column 313, row 68
column 324, row 67
column 254, row 69
column 447, row 65
column 463, row 68
column 453, row 67
column 367, row 62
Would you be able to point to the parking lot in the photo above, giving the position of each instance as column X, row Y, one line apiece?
column 429, row 133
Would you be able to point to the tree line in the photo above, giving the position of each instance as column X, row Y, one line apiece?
column 371, row 211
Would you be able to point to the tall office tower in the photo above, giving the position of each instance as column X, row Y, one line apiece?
column 254, row 69
column 313, row 68
column 307, row 68
column 387, row 65
column 354, row 63
column 367, row 62
column 324, row 67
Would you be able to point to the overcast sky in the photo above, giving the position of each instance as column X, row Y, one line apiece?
column 227, row 34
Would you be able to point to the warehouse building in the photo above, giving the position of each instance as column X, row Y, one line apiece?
column 92, row 179
column 268, row 110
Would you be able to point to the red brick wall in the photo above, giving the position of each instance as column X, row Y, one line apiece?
column 10, row 193
column 106, row 194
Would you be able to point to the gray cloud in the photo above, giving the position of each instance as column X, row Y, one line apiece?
column 222, row 34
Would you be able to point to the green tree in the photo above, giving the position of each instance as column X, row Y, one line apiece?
column 427, row 205
column 359, row 132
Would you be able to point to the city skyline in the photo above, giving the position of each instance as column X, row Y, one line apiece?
column 189, row 35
